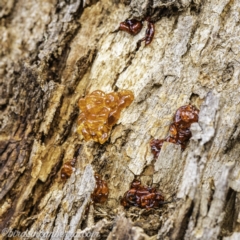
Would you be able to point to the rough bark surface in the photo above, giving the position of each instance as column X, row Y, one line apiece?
column 54, row 52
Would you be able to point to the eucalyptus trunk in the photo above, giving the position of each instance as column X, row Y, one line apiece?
column 52, row 53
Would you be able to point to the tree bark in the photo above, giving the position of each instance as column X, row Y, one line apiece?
column 55, row 52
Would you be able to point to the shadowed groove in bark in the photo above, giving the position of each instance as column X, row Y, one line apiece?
column 26, row 122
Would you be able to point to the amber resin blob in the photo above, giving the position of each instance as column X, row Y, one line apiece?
column 100, row 193
column 99, row 112
column 142, row 197
column 179, row 132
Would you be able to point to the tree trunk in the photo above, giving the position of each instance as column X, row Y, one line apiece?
column 55, row 52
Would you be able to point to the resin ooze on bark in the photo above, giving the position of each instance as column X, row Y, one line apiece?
column 179, row 132
column 99, row 112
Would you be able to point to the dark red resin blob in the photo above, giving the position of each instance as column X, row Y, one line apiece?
column 142, row 197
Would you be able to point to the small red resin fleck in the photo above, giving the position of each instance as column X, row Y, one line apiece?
column 100, row 194
column 131, row 26
column 149, row 34
column 67, row 168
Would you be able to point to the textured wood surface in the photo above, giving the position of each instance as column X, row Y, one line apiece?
column 54, row 52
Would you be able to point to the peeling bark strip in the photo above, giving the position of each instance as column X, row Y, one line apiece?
column 55, row 52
